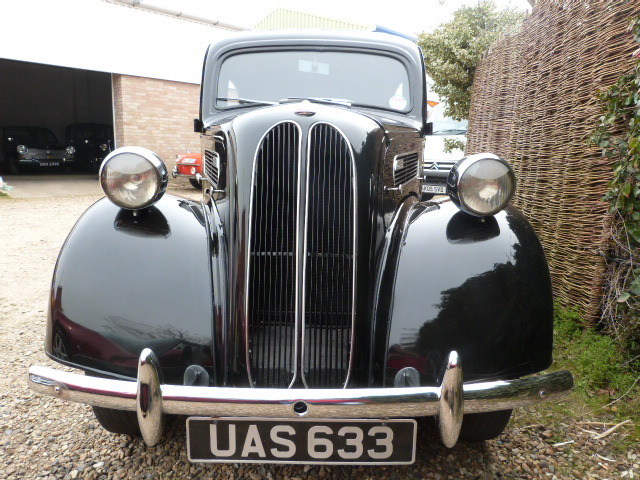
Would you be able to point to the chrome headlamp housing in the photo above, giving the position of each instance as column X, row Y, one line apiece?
column 22, row 149
column 481, row 184
column 70, row 150
column 133, row 177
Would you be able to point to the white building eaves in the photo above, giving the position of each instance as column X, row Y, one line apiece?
column 109, row 36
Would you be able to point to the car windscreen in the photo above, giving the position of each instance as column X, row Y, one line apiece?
column 443, row 125
column 363, row 79
column 78, row 133
column 33, row 136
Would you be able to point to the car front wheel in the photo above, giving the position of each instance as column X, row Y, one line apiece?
column 477, row 427
column 118, row 421
column 195, row 183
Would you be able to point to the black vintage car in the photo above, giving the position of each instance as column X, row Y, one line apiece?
column 92, row 142
column 33, row 149
column 289, row 313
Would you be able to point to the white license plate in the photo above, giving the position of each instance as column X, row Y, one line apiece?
column 49, row 164
column 301, row 441
column 441, row 189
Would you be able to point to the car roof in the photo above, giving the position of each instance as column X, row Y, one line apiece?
column 22, row 127
column 318, row 38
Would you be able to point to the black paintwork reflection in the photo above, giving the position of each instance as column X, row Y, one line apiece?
column 465, row 228
column 488, row 297
column 194, row 209
column 146, row 223
column 116, row 292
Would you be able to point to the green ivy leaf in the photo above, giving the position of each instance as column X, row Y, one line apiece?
column 635, row 287
column 624, row 297
column 634, row 232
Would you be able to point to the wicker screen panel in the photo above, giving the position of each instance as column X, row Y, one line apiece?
column 534, row 103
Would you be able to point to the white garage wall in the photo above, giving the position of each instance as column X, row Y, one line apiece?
column 105, row 37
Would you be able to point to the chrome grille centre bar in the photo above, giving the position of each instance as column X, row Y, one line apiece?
column 293, row 403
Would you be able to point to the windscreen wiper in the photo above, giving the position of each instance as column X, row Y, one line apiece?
column 246, row 101
column 327, row 101
column 449, row 132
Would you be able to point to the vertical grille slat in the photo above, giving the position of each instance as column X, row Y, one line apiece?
column 301, row 263
column 329, row 259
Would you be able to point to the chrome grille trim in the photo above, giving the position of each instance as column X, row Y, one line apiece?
column 340, row 156
column 268, row 335
column 405, row 168
column 438, row 165
column 212, row 166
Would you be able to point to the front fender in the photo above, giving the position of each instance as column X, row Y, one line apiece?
column 478, row 286
column 125, row 282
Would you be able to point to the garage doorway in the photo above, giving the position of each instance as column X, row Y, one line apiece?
column 68, row 102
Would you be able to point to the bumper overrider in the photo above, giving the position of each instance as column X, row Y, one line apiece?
column 151, row 399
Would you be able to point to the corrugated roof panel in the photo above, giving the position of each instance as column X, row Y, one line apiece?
column 284, row 18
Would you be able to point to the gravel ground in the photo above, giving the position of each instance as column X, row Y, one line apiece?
column 41, row 437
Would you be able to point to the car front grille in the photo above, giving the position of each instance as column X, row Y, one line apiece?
column 212, row 166
column 329, row 258
column 301, row 267
column 405, row 168
column 437, row 168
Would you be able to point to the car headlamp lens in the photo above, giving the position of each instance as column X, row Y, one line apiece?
column 22, row 149
column 133, row 177
column 481, row 184
column 71, row 150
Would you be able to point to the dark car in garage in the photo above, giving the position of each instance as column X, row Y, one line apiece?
column 92, row 142
column 33, row 149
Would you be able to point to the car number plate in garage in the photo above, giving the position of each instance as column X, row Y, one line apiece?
column 308, row 441
column 441, row 189
column 49, row 164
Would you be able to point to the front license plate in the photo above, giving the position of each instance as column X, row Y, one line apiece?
column 308, row 441
column 49, row 164
column 441, row 189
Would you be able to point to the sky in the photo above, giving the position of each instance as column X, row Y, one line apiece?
column 407, row 16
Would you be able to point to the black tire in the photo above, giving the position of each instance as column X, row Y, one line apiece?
column 118, row 421
column 60, row 344
column 477, row 427
column 13, row 168
column 195, row 183
column 424, row 197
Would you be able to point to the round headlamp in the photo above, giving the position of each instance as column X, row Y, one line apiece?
column 133, row 177
column 481, row 184
column 22, row 149
column 71, row 150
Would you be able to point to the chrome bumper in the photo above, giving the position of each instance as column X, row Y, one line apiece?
column 151, row 399
column 175, row 173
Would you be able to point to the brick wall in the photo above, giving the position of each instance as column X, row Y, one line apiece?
column 156, row 114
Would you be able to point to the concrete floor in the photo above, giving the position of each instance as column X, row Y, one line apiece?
column 42, row 186
column 56, row 186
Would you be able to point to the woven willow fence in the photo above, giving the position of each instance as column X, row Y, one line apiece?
column 534, row 103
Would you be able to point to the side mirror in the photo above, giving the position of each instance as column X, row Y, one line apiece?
column 428, row 128
column 197, row 125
